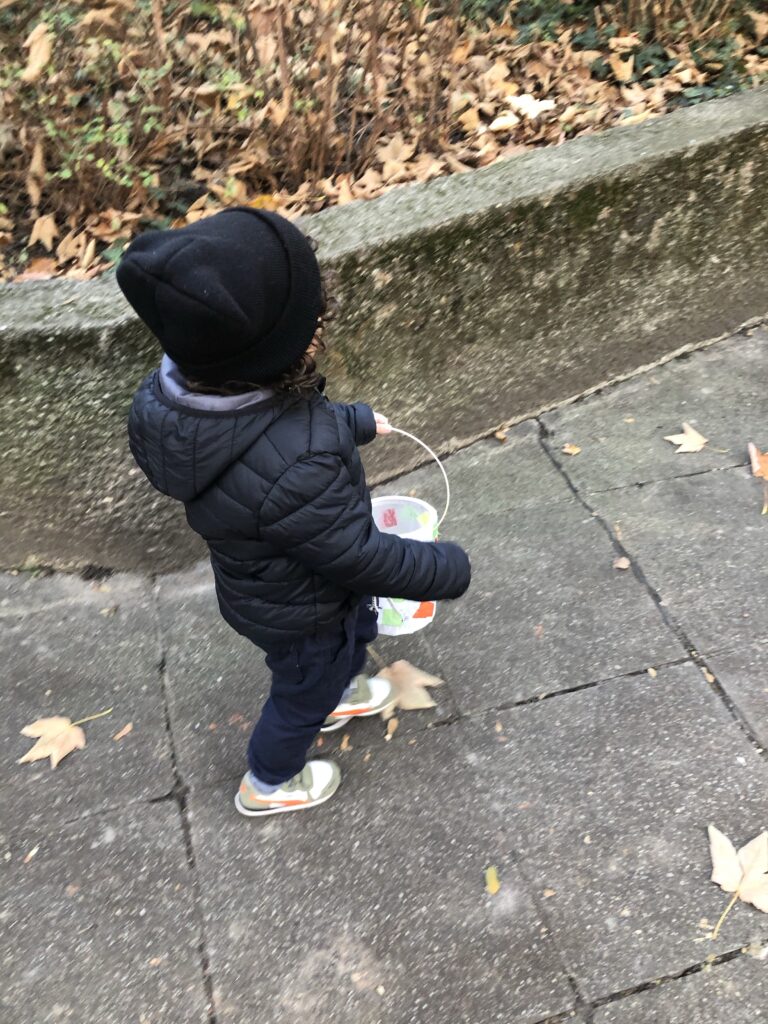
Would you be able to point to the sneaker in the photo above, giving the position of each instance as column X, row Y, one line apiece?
column 364, row 697
column 315, row 783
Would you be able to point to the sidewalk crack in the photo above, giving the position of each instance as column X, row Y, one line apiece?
column 581, row 1005
column 639, row 484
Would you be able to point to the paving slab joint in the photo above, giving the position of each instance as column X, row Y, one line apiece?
column 668, row 619
column 666, row 979
column 562, row 1018
column 179, row 794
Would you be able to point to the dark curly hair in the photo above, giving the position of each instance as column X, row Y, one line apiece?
column 303, row 376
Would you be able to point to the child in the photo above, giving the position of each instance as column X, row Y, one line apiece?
column 235, row 425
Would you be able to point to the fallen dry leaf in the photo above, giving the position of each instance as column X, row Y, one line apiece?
column 344, row 745
column 410, row 685
column 760, row 22
column 56, row 737
column 31, row 854
column 548, row 893
column 759, row 462
column 570, row 449
column 392, row 725
column 689, row 441
column 124, row 731
column 529, row 106
column 622, row 69
column 40, row 45
column 621, row 563
column 745, row 874
column 40, row 269
column 504, row 123
column 492, row 881
column 44, row 230
column 501, row 435
column 652, row 672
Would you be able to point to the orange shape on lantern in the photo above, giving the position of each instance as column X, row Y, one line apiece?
column 426, row 610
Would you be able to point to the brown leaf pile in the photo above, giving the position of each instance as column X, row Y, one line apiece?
column 127, row 114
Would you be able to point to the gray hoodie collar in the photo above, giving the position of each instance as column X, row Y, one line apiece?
column 175, row 387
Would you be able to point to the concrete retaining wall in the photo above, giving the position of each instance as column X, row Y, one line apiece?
column 465, row 302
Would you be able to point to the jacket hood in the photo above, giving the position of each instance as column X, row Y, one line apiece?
column 184, row 449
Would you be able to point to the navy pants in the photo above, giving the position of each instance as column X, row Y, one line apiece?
column 308, row 679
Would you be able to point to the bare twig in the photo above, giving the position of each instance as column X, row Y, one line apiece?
column 157, row 21
column 282, row 53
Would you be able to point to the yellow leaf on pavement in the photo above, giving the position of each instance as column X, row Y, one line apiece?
column 492, row 881
column 689, row 441
column 571, row 449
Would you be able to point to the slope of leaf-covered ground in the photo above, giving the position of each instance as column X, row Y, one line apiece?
column 120, row 115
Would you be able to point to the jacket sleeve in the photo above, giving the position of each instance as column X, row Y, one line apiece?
column 359, row 419
column 315, row 512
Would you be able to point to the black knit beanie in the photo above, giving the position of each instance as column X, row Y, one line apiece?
column 235, row 296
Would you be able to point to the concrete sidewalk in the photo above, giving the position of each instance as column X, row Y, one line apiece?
column 595, row 721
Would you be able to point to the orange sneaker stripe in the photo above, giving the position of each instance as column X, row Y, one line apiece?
column 350, row 714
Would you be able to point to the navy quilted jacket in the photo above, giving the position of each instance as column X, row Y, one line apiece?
column 278, row 491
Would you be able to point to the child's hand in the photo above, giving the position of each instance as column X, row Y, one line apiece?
column 382, row 424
